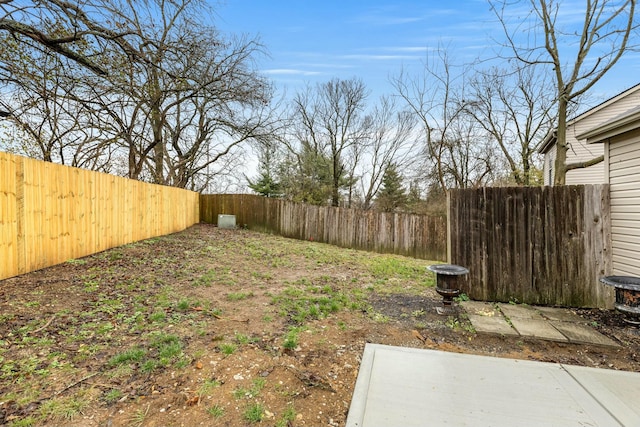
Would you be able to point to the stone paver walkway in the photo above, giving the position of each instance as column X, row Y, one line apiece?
column 548, row 323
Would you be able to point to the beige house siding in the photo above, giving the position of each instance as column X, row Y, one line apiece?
column 624, row 178
column 579, row 150
column 549, row 160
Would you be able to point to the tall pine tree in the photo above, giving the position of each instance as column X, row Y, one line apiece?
column 392, row 196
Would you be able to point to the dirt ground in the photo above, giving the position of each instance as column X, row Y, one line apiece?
column 231, row 327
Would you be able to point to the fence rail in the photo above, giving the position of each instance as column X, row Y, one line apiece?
column 50, row 213
column 538, row 245
column 419, row 236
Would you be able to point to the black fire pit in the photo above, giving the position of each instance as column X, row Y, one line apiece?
column 627, row 296
column 447, row 283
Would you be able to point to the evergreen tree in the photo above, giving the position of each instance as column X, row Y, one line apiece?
column 306, row 177
column 414, row 199
column 391, row 196
column 266, row 183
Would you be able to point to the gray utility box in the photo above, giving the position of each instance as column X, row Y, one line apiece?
column 226, row 221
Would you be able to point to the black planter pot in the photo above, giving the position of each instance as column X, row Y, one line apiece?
column 627, row 296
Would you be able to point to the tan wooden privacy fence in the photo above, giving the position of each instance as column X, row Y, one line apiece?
column 51, row 213
column 540, row 245
column 419, row 236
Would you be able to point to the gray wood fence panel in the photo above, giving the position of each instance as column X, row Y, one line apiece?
column 419, row 236
column 536, row 245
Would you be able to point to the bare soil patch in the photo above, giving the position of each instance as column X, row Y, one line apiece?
column 231, row 327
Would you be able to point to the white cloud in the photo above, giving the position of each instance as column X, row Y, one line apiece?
column 291, row 72
column 364, row 57
column 418, row 49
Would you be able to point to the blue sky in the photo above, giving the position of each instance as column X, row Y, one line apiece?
column 314, row 41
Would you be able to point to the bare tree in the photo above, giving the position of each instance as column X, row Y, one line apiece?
column 173, row 100
column 329, row 121
column 75, row 27
column 392, row 140
column 513, row 107
column 593, row 48
column 36, row 90
column 436, row 97
column 198, row 91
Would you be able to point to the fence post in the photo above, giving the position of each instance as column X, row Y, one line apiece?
column 449, row 214
column 20, row 216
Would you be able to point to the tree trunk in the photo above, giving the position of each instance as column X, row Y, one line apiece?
column 561, row 143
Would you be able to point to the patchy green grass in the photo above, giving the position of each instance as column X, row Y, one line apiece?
column 250, row 393
column 131, row 315
column 307, row 300
column 220, row 275
column 130, row 356
column 239, row 296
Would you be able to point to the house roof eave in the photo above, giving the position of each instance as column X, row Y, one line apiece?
column 603, row 104
column 623, row 123
column 548, row 141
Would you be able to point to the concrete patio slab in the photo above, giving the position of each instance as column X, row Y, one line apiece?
column 492, row 325
column 480, row 308
column 548, row 323
column 537, row 328
column 612, row 389
column 399, row 386
column 559, row 314
column 583, row 334
column 518, row 311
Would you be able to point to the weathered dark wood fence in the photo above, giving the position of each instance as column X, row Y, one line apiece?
column 538, row 245
column 418, row 236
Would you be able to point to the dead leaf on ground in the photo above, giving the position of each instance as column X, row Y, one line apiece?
column 193, row 400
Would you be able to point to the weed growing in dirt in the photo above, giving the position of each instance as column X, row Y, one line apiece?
column 133, row 355
column 213, row 275
column 183, row 305
column 456, row 323
column 254, row 413
column 261, row 276
column 112, row 396
column 65, row 408
column 91, row 285
column 139, row 416
column 291, row 339
column 249, row 393
column 207, row 387
column 461, row 298
column 288, row 416
column 267, row 252
column 206, row 279
column 243, row 339
column 164, row 350
column 168, row 347
column 311, row 302
column 24, row 422
column 216, row 411
column 158, row 316
column 239, row 296
column 227, row 349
